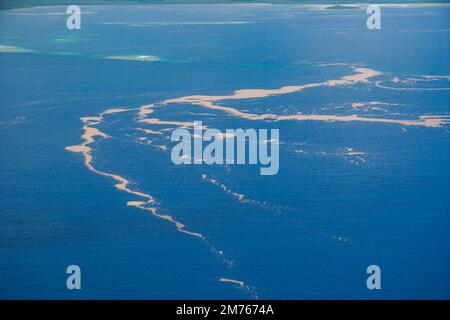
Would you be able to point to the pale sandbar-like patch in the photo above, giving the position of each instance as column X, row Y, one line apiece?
column 13, row 49
column 177, row 23
column 145, row 58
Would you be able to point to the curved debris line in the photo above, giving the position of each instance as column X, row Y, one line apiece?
column 144, row 113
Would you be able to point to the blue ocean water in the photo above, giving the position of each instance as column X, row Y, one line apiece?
column 349, row 194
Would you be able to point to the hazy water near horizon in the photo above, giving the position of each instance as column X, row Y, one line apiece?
column 348, row 194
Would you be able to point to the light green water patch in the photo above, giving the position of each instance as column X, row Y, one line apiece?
column 144, row 58
column 13, row 49
column 65, row 53
column 71, row 38
column 178, row 23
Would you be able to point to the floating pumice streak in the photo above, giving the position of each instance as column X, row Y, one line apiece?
column 145, row 116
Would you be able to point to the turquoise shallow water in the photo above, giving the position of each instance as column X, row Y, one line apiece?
column 348, row 194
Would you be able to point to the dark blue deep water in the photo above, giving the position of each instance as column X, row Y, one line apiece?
column 348, row 194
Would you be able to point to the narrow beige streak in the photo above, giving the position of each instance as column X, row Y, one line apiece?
column 355, row 153
column 351, row 152
column 236, row 195
column 356, row 105
column 164, row 122
column 423, row 120
column 179, row 225
column 362, row 76
column 111, row 111
column 379, row 85
column 149, row 131
column 240, row 283
column 89, row 137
